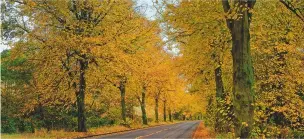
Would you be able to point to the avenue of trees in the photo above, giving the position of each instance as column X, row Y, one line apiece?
column 74, row 65
column 79, row 64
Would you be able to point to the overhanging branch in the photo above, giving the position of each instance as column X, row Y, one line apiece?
column 226, row 8
column 290, row 7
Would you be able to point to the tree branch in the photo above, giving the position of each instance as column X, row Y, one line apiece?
column 296, row 11
column 226, row 5
column 251, row 3
column 227, row 9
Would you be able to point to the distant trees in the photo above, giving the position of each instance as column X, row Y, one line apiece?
column 204, row 44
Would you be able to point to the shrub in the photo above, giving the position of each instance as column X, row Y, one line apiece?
column 8, row 125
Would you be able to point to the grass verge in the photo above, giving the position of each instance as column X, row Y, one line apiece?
column 42, row 134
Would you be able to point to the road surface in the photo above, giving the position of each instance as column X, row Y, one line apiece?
column 179, row 130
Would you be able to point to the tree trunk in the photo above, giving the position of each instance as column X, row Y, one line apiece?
column 219, row 96
column 219, row 83
column 243, row 92
column 80, row 94
column 170, row 115
column 165, row 114
column 156, row 109
column 143, row 106
column 123, row 101
column 132, row 110
column 242, row 77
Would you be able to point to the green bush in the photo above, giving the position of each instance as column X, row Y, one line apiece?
column 298, row 134
column 127, row 123
column 8, row 125
column 25, row 126
column 95, row 121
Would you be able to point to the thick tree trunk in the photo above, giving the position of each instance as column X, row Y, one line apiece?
column 123, row 101
column 143, row 106
column 165, row 114
column 156, row 109
column 242, row 77
column 243, row 92
column 219, row 96
column 80, row 94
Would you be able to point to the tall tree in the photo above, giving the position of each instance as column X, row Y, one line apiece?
column 156, row 99
column 238, row 22
column 165, row 107
column 122, row 90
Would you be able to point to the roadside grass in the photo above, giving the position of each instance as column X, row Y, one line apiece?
column 43, row 133
column 203, row 132
column 228, row 135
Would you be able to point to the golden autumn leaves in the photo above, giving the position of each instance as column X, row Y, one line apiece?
column 81, row 52
column 199, row 28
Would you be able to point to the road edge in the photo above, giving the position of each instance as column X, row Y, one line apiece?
column 203, row 132
column 193, row 134
column 126, row 130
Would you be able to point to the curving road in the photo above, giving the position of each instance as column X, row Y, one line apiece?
column 179, row 130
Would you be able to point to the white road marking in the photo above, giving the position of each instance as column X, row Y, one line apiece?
column 140, row 137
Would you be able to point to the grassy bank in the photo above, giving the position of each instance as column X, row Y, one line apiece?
column 93, row 131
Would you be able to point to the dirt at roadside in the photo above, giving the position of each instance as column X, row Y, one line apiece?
column 202, row 132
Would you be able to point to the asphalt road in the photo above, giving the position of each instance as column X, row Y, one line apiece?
column 179, row 130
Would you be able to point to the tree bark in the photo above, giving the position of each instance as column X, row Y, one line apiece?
column 242, row 77
column 156, row 109
column 219, row 83
column 143, row 106
column 219, row 96
column 170, row 115
column 123, row 101
column 165, row 114
column 242, row 67
column 80, row 94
